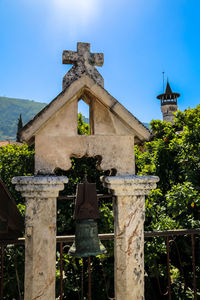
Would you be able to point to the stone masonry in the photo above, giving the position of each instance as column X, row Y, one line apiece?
column 129, row 216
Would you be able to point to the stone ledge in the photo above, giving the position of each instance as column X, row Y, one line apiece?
column 39, row 179
column 130, row 185
column 39, row 186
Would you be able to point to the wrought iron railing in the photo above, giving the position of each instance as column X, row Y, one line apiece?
column 169, row 240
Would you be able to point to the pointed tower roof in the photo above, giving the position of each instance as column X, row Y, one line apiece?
column 168, row 89
column 168, row 96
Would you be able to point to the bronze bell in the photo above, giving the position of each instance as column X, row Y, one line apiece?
column 86, row 212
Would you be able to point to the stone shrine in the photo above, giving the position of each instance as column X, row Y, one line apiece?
column 113, row 133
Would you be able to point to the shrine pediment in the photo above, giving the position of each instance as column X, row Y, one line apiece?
column 107, row 115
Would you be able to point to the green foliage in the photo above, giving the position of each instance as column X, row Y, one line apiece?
column 83, row 128
column 102, row 271
column 14, row 272
column 183, row 204
column 157, row 217
column 15, row 161
column 173, row 154
column 10, row 109
column 19, row 127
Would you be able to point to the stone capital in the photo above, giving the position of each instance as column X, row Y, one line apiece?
column 130, row 185
column 39, row 186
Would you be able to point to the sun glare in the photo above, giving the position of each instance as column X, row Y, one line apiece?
column 80, row 12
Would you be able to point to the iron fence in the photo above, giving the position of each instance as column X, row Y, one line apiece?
column 169, row 240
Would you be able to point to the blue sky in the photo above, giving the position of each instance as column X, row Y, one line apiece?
column 139, row 38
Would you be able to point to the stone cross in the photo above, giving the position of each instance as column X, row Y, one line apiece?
column 83, row 61
column 82, row 56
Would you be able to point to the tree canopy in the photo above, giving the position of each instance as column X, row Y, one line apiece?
column 173, row 154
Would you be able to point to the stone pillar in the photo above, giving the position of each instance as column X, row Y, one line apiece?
column 129, row 216
column 40, row 193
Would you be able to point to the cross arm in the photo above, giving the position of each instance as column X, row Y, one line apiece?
column 69, row 57
column 97, row 59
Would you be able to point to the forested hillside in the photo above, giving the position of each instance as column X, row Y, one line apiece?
column 10, row 109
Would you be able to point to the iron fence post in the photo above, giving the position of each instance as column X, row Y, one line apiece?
column 61, row 270
column 2, row 270
column 194, row 267
column 168, row 269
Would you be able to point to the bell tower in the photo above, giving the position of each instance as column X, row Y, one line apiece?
column 168, row 103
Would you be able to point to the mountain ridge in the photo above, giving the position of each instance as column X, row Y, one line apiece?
column 10, row 110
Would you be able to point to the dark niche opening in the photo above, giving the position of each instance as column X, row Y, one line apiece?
column 80, row 167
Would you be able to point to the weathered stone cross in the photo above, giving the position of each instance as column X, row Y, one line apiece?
column 83, row 56
column 83, row 61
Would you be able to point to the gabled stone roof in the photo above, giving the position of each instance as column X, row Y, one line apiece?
column 75, row 91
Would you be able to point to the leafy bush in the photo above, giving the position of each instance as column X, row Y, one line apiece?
column 173, row 154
